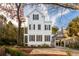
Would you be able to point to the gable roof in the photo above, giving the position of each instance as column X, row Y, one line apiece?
column 35, row 10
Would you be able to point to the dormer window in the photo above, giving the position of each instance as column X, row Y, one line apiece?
column 35, row 17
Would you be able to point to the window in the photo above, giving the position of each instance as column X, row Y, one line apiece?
column 34, row 26
column 26, row 38
column 38, row 37
column 39, row 27
column 31, row 37
column 35, row 17
column 47, row 37
column 26, row 30
column 29, row 26
column 47, row 27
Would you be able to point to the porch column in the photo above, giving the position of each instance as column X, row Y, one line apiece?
column 35, row 38
column 43, row 38
column 24, row 34
column 24, row 40
column 54, row 42
column 28, row 39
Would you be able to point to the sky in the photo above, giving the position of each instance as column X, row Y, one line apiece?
column 65, row 19
column 55, row 15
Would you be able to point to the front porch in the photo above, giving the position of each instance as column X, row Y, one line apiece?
column 37, row 40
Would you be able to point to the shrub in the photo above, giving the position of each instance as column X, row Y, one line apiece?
column 45, row 46
column 73, row 45
column 14, row 52
column 7, row 41
column 33, row 46
column 39, row 46
column 69, row 52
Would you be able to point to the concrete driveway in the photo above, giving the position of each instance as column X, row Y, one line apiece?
column 59, row 51
column 48, row 51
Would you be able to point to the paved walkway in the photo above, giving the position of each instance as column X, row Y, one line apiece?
column 48, row 51
column 61, row 51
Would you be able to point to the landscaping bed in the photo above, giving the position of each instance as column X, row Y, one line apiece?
column 14, row 52
column 26, row 50
column 21, row 51
column 2, row 51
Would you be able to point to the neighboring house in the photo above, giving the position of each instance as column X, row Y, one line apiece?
column 60, row 34
column 60, row 38
column 38, row 29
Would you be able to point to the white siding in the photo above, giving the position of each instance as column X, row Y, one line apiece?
column 36, row 22
column 35, row 32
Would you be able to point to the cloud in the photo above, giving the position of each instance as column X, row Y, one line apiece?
column 54, row 17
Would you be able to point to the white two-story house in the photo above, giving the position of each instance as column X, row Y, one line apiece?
column 38, row 29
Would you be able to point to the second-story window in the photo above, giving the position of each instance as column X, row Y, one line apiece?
column 39, row 27
column 29, row 26
column 35, row 16
column 34, row 27
column 26, row 30
column 47, row 27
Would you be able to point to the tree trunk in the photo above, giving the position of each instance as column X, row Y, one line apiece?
column 19, row 41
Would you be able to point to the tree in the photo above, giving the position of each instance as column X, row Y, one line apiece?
column 8, row 35
column 11, row 31
column 73, row 27
column 73, row 6
column 19, row 23
column 2, row 24
column 54, row 30
column 15, row 12
column 2, row 20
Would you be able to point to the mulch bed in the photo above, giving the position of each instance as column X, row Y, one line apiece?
column 2, row 51
column 26, row 50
